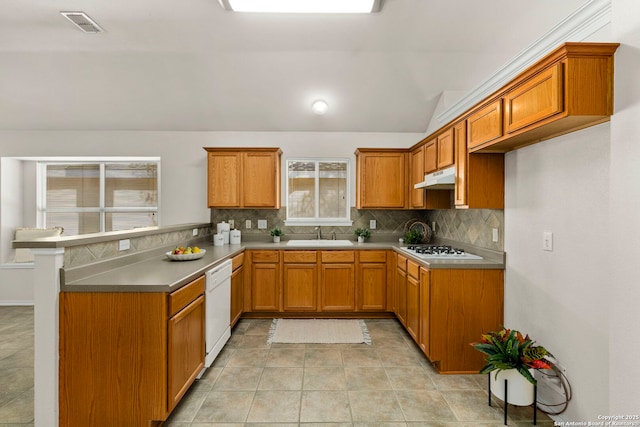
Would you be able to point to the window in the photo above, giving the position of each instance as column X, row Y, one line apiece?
column 95, row 196
column 318, row 192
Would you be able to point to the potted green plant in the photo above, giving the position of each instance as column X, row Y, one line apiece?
column 513, row 357
column 362, row 233
column 276, row 233
column 413, row 236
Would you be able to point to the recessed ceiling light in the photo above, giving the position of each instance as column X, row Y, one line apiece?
column 303, row 6
column 319, row 107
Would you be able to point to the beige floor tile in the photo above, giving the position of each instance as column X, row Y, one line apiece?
column 317, row 357
column 424, row 405
column 325, row 406
column 225, row 407
column 253, row 341
column 275, row 406
column 390, row 356
column 259, row 327
column 367, row 379
column 286, row 357
column 455, row 382
column 19, row 409
column 188, row 406
column 409, row 378
column 374, row 405
column 471, row 405
column 238, row 379
column 281, row 379
column 331, row 378
column 205, row 383
column 249, row 357
column 360, row 357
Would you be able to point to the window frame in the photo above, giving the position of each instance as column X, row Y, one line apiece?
column 102, row 210
column 316, row 221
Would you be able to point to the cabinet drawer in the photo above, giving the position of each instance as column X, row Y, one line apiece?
column 537, row 99
column 485, row 125
column 372, row 256
column 183, row 296
column 402, row 262
column 338, row 256
column 299, row 256
column 237, row 261
column 265, row 256
column 413, row 269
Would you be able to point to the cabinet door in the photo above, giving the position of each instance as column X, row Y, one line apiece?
column 445, row 149
column 401, row 296
column 237, row 294
column 417, row 175
column 372, row 286
column 413, row 307
column 186, row 349
column 261, row 180
column 431, row 156
column 300, row 287
column 424, row 312
column 535, row 100
column 338, row 287
column 224, row 171
column 381, row 180
column 485, row 125
column 460, row 139
column 265, row 285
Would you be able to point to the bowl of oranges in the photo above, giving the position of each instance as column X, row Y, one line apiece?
column 180, row 253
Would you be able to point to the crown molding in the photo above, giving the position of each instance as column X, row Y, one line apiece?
column 584, row 22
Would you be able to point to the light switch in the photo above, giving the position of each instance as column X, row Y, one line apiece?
column 372, row 224
column 232, row 224
column 262, row 224
column 124, row 244
column 247, row 224
column 195, row 232
column 547, row 240
column 495, row 236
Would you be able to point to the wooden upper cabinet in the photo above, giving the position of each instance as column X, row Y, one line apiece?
column 445, row 149
column 244, row 177
column 381, row 178
column 417, row 175
column 536, row 99
column 460, row 140
column 431, row 156
column 485, row 124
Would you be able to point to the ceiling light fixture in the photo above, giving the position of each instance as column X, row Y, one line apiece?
column 306, row 6
column 319, row 107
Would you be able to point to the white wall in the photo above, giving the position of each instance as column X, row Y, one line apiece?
column 623, row 284
column 560, row 297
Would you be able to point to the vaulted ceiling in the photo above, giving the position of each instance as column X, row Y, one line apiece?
column 190, row 65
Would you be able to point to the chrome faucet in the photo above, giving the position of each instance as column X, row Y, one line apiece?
column 319, row 233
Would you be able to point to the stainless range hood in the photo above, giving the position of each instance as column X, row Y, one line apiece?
column 440, row 180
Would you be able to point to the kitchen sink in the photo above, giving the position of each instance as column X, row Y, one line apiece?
column 316, row 242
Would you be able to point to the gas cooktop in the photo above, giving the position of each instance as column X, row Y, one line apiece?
column 438, row 252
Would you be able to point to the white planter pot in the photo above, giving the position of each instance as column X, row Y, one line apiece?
column 519, row 391
column 360, row 239
column 276, row 239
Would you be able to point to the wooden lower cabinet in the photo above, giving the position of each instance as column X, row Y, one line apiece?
column 300, row 281
column 237, row 288
column 412, row 320
column 401, row 289
column 337, row 281
column 461, row 305
column 424, row 295
column 127, row 358
column 371, row 281
column 265, row 280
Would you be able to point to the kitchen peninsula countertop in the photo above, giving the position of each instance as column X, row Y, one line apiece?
column 157, row 273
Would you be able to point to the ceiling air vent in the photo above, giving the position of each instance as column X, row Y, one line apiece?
column 82, row 21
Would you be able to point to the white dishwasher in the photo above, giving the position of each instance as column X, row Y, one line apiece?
column 218, row 310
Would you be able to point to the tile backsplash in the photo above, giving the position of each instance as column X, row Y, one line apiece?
column 472, row 226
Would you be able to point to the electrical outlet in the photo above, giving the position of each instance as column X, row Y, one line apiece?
column 372, row 224
column 433, row 226
column 494, row 235
column 195, row 232
column 547, row 241
column 124, row 244
column 247, row 224
column 232, row 224
column 262, row 224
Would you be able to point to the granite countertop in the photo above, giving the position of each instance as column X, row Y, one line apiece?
column 157, row 273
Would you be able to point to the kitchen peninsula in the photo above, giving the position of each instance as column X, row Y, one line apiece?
column 147, row 279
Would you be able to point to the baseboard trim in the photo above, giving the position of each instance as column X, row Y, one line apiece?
column 10, row 303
